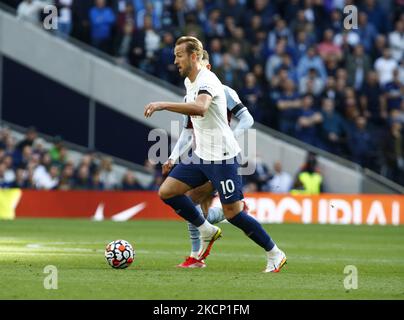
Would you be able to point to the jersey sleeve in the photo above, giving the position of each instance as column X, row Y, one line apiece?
column 183, row 144
column 246, row 121
column 232, row 97
column 234, row 104
column 207, row 86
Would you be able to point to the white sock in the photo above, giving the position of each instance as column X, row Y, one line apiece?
column 206, row 229
column 194, row 254
column 215, row 215
column 198, row 207
column 274, row 251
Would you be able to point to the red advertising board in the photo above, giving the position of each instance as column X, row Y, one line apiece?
column 266, row 207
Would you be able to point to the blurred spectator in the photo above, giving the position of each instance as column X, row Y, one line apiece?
column 45, row 175
column 309, row 61
column 227, row 73
column 107, row 175
column 261, row 175
column 166, row 68
column 233, row 8
column 9, row 174
column 82, row 178
column 214, row 26
column 378, row 47
column 29, row 139
column 250, row 94
column 394, row 92
column 306, row 125
column 371, row 100
column 39, row 146
column 3, row 182
column 336, row 20
column 367, row 31
column 175, row 14
column 29, row 10
column 281, row 181
column 263, row 8
column 124, row 42
column 65, row 22
column 308, row 181
column 129, row 182
column 358, row 66
column 81, row 20
column 21, row 158
column 145, row 45
column 21, row 180
column 396, row 41
column 346, row 39
column 96, row 183
column 216, row 53
column 280, row 31
column 66, row 181
column 327, row 47
column 89, row 160
column 151, row 9
column 362, row 144
column 275, row 60
column 385, row 66
column 192, row 27
column 125, row 16
column 302, row 44
column 55, row 151
column 311, row 83
column 393, row 153
column 376, row 15
column 289, row 105
column 333, row 131
column 102, row 19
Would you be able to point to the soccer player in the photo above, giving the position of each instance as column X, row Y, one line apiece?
column 203, row 195
column 216, row 149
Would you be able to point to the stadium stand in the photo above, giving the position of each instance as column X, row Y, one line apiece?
column 339, row 91
column 35, row 161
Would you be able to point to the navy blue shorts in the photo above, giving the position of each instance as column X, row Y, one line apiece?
column 223, row 176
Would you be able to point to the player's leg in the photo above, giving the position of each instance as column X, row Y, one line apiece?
column 180, row 180
column 203, row 196
column 229, row 186
column 197, row 196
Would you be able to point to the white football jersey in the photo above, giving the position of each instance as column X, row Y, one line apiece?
column 234, row 106
column 214, row 139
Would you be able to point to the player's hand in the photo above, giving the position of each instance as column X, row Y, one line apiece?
column 167, row 166
column 151, row 108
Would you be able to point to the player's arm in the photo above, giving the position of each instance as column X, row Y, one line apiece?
column 196, row 108
column 239, row 110
column 183, row 144
column 245, row 118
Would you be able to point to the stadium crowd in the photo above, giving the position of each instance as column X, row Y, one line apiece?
column 33, row 163
column 295, row 64
column 28, row 164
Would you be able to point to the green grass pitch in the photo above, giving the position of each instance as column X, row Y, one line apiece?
column 317, row 256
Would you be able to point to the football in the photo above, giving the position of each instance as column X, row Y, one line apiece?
column 119, row 254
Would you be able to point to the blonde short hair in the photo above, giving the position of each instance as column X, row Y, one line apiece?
column 193, row 45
